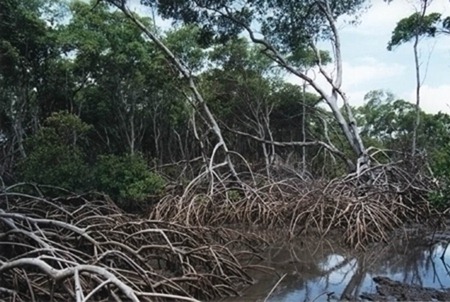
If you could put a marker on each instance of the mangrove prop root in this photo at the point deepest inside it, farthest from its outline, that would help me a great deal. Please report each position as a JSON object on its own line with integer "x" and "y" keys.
{"x": 364, "y": 207}
{"x": 78, "y": 249}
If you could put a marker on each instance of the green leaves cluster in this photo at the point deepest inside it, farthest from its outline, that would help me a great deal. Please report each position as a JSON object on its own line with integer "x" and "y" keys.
{"x": 387, "y": 124}
{"x": 127, "y": 179}
{"x": 57, "y": 154}
{"x": 416, "y": 25}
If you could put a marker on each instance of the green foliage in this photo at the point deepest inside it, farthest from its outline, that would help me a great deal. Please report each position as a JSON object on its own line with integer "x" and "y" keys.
{"x": 183, "y": 42}
{"x": 446, "y": 25}
{"x": 287, "y": 24}
{"x": 437, "y": 136}
{"x": 387, "y": 124}
{"x": 130, "y": 91}
{"x": 306, "y": 57}
{"x": 28, "y": 51}
{"x": 384, "y": 120}
{"x": 55, "y": 156}
{"x": 24, "y": 37}
{"x": 127, "y": 179}
{"x": 69, "y": 129}
{"x": 413, "y": 26}
{"x": 441, "y": 167}
{"x": 238, "y": 55}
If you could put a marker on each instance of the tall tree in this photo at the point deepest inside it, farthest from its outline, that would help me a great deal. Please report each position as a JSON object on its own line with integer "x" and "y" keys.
{"x": 387, "y": 121}
{"x": 287, "y": 27}
{"x": 118, "y": 69}
{"x": 30, "y": 73}
{"x": 195, "y": 98}
{"x": 413, "y": 28}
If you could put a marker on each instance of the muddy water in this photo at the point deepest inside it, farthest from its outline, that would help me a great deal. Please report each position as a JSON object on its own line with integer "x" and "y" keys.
{"x": 320, "y": 270}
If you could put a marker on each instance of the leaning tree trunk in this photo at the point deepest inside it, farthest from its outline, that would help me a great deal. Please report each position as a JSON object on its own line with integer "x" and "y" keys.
{"x": 346, "y": 123}
{"x": 212, "y": 123}
{"x": 348, "y": 126}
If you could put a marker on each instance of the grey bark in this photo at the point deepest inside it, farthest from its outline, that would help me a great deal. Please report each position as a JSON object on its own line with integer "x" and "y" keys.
{"x": 424, "y": 4}
{"x": 347, "y": 124}
{"x": 417, "y": 107}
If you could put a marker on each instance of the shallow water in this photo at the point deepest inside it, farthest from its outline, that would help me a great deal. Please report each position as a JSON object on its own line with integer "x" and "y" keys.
{"x": 314, "y": 270}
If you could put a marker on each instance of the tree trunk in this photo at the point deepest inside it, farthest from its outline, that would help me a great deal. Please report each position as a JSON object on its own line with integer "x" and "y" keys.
{"x": 418, "y": 84}
{"x": 187, "y": 75}
{"x": 304, "y": 129}
{"x": 347, "y": 124}
{"x": 425, "y": 4}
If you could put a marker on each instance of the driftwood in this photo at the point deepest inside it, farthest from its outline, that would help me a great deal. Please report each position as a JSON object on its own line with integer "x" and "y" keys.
{"x": 81, "y": 249}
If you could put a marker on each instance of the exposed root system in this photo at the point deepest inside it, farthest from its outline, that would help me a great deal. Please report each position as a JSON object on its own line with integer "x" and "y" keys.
{"x": 364, "y": 207}
{"x": 79, "y": 249}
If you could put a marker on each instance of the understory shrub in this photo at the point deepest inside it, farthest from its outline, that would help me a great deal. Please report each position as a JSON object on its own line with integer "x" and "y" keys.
{"x": 55, "y": 154}
{"x": 127, "y": 180}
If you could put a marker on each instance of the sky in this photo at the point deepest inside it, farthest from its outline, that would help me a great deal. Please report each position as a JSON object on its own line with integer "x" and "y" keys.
{"x": 368, "y": 65}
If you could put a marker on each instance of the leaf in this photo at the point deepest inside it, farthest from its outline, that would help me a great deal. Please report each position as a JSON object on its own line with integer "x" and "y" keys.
{"x": 414, "y": 26}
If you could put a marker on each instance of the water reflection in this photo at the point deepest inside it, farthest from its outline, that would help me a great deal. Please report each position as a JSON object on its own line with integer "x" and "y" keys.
{"x": 323, "y": 271}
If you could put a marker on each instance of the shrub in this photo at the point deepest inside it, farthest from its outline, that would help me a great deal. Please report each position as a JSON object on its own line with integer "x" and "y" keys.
{"x": 55, "y": 156}
{"x": 127, "y": 180}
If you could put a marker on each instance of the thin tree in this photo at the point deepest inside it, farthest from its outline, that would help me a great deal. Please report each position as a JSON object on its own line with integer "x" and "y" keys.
{"x": 413, "y": 28}
{"x": 196, "y": 98}
{"x": 285, "y": 27}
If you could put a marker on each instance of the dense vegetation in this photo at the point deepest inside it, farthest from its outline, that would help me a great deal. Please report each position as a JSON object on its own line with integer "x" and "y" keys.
{"x": 85, "y": 95}
{"x": 197, "y": 125}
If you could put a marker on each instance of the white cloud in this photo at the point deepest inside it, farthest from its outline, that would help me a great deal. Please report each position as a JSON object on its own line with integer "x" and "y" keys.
{"x": 360, "y": 76}
{"x": 433, "y": 99}
{"x": 443, "y": 45}
{"x": 378, "y": 19}
{"x": 356, "y": 97}
{"x": 366, "y": 70}
{"x": 381, "y": 18}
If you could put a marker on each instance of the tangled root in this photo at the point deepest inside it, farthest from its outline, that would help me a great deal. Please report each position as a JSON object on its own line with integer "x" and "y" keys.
{"x": 364, "y": 208}
{"x": 81, "y": 248}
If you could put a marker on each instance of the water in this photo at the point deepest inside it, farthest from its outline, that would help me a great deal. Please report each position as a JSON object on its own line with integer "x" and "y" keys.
{"x": 314, "y": 270}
